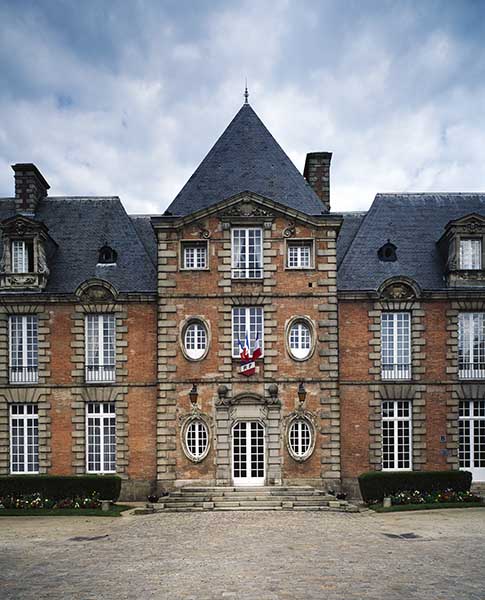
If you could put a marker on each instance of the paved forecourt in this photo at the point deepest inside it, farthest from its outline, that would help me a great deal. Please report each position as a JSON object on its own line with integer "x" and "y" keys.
{"x": 438, "y": 555}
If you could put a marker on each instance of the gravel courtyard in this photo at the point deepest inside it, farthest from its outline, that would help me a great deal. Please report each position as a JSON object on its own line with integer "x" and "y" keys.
{"x": 438, "y": 555}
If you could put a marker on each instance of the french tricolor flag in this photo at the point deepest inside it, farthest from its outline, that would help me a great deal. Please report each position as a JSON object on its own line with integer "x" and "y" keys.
{"x": 244, "y": 350}
{"x": 257, "y": 348}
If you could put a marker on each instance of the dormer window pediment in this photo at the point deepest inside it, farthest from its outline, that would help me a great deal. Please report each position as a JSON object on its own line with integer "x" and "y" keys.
{"x": 462, "y": 245}
{"x": 23, "y": 263}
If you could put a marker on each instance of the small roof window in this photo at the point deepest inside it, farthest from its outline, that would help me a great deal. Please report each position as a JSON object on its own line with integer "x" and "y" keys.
{"x": 387, "y": 253}
{"x": 107, "y": 256}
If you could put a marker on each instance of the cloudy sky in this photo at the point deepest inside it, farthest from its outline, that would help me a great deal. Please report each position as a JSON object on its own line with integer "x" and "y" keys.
{"x": 126, "y": 98}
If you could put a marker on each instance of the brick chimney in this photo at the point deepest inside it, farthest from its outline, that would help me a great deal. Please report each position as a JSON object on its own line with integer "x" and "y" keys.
{"x": 30, "y": 187}
{"x": 317, "y": 173}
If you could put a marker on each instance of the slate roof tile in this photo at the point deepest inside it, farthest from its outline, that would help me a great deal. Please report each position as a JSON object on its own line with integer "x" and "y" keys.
{"x": 246, "y": 158}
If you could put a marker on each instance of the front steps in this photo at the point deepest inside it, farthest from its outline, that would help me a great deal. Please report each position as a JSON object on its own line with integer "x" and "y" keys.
{"x": 193, "y": 499}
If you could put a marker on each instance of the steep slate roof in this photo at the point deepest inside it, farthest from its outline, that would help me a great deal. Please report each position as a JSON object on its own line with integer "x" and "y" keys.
{"x": 143, "y": 225}
{"x": 80, "y": 227}
{"x": 414, "y": 223}
{"x": 351, "y": 223}
{"x": 246, "y": 158}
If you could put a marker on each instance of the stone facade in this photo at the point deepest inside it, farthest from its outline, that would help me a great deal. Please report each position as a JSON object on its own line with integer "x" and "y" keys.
{"x": 224, "y": 394}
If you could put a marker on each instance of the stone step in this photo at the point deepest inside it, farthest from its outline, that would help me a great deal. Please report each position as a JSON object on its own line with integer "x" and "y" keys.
{"x": 242, "y": 508}
{"x": 249, "y": 503}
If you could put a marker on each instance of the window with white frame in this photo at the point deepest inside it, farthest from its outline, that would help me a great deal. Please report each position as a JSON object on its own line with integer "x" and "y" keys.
{"x": 471, "y": 254}
{"x": 247, "y": 253}
{"x": 472, "y": 437}
{"x": 299, "y": 254}
{"x": 300, "y": 340}
{"x": 194, "y": 255}
{"x": 396, "y": 435}
{"x": 100, "y": 347}
{"x": 23, "y": 336}
{"x": 195, "y": 340}
{"x": 247, "y": 321}
{"x": 395, "y": 345}
{"x": 300, "y": 439}
{"x": 22, "y": 256}
{"x": 100, "y": 437}
{"x": 471, "y": 345}
{"x": 196, "y": 439}
{"x": 24, "y": 438}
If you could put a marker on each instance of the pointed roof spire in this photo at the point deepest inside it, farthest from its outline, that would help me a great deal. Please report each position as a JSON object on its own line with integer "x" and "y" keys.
{"x": 246, "y": 158}
{"x": 246, "y": 93}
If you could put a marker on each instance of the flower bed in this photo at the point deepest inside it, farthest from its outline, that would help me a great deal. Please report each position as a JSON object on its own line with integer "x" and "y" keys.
{"x": 445, "y": 496}
{"x": 38, "y": 501}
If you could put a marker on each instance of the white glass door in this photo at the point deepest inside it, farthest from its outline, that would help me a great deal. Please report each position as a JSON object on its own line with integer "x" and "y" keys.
{"x": 472, "y": 438}
{"x": 248, "y": 453}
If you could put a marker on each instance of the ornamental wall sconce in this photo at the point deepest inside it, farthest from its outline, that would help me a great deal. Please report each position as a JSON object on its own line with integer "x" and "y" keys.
{"x": 301, "y": 393}
{"x": 193, "y": 394}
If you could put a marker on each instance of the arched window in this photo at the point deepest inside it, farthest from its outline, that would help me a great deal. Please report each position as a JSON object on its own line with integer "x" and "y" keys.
{"x": 107, "y": 256}
{"x": 300, "y": 340}
{"x": 300, "y": 438}
{"x": 196, "y": 439}
{"x": 195, "y": 340}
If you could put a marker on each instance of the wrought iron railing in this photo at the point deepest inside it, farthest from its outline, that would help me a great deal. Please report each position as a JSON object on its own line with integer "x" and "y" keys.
{"x": 471, "y": 370}
{"x": 100, "y": 373}
{"x": 24, "y": 374}
{"x": 396, "y": 371}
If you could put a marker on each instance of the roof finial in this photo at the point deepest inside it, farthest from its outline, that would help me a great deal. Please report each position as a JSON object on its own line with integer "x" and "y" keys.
{"x": 246, "y": 93}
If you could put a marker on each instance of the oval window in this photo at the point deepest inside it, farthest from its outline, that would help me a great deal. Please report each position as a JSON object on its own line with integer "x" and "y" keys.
{"x": 300, "y": 340}
{"x": 197, "y": 439}
{"x": 300, "y": 439}
{"x": 195, "y": 340}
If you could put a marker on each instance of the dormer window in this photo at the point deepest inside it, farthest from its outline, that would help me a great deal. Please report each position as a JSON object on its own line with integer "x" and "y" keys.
{"x": 471, "y": 254}
{"x": 22, "y": 252}
{"x": 107, "y": 256}
{"x": 26, "y": 246}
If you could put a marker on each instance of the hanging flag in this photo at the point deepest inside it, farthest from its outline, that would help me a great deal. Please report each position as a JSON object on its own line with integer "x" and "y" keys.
{"x": 257, "y": 348}
{"x": 248, "y": 364}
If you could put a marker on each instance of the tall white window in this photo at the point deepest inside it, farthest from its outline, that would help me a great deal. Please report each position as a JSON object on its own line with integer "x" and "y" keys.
{"x": 395, "y": 345}
{"x": 299, "y": 255}
{"x": 247, "y": 253}
{"x": 194, "y": 255}
{"x": 20, "y": 256}
{"x": 195, "y": 340}
{"x": 472, "y": 437}
{"x": 471, "y": 345}
{"x": 300, "y": 340}
{"x": 100, "y": 437}
{"x": 100, "y": 347}
{"x": 396, "y": 435}
{"x": 248, "y": 321}
{"x": 24, "y": 438}
{"x": 470, "y": 254}
{"x": 23, "y": 349}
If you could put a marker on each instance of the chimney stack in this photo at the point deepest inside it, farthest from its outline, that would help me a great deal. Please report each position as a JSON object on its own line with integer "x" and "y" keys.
{"x": 317, "y": 173}
{"x": 30, "y": 187}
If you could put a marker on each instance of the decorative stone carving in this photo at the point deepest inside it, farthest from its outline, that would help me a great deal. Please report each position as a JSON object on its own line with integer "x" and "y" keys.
{"x": 290, "y": 230}
{"x": 247, "y": 209}
{"x": 96, "y": 290}
{"x": 398, "y": 291}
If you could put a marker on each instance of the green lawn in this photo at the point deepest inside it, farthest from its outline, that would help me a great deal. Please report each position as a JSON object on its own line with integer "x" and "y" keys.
{"x": 404, "y": 507}
{"x": 114, "y": 511}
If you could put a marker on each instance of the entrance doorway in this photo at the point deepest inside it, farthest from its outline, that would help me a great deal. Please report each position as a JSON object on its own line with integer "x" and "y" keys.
{"x": 248, "y": 453}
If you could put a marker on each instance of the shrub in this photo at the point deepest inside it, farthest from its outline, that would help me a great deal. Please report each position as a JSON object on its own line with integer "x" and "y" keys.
{"x": 58, "y": 487}
{"x": 374, "y": 486}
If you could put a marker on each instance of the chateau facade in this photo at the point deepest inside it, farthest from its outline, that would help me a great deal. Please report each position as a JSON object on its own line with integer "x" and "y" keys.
{"x": 246, "y": 336}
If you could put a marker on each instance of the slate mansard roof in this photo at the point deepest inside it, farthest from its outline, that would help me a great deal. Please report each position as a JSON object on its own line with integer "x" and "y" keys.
{"x": 246, "y": 158}
{"x": 80, "y": 227}
{"x": 412, "y": 222}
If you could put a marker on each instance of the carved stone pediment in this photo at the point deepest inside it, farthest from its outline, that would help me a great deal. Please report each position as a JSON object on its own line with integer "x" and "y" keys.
{"x": 96, "y": 290}
{"x": 398, "y": 289}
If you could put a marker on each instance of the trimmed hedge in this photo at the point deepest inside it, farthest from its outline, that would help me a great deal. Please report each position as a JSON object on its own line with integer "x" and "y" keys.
{"x": 59, "y": 487}
{"x": 375, "y": 485}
